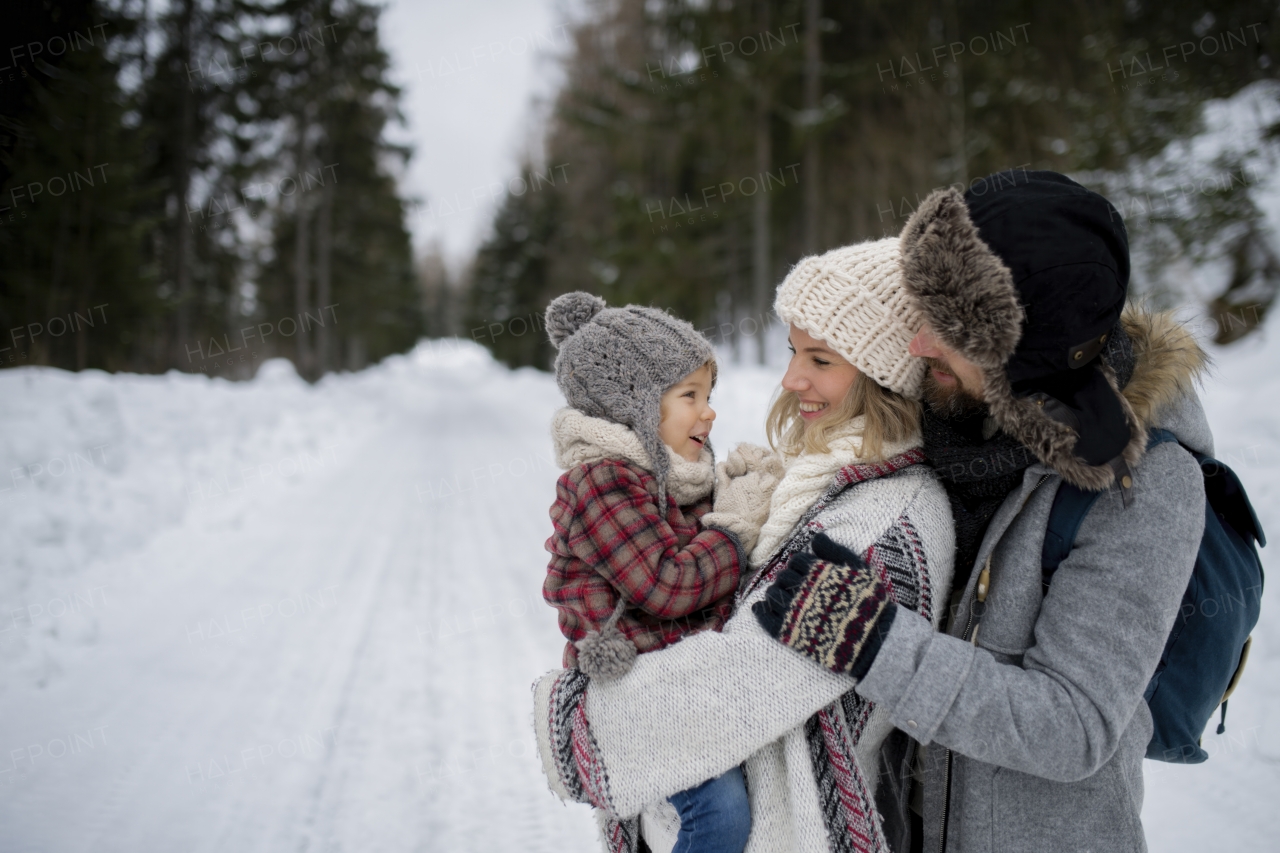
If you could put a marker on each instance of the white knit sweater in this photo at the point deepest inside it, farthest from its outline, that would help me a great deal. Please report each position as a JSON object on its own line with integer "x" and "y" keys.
{"x": 715, "y": 700}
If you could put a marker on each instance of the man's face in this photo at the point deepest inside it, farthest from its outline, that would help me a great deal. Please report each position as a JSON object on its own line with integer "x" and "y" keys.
{"x": 953, "y": 384}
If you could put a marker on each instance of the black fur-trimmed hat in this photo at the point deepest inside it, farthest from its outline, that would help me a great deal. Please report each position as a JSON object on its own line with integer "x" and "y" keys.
{"x": 1026, "y": 275}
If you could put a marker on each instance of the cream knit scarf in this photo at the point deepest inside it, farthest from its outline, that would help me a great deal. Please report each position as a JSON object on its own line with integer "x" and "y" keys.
{"x": 580, "y": 439}
{"x": 807, "y": 478}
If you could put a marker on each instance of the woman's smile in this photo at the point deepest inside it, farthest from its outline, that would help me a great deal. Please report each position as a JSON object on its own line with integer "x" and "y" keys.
{"x": 812, "y": 410}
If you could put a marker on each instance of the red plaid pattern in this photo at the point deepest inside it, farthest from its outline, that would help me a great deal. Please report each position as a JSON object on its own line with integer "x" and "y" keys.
{"x": 610, "y": 541}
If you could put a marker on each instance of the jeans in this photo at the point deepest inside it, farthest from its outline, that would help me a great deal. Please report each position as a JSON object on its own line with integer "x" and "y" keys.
{"x": 714, "y": 816}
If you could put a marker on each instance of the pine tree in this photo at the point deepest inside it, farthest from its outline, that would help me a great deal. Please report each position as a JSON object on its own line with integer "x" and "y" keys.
{"x": 340, "y": 258}
{"x": 73, "y": 287}
{"x": 190, "y": 86}
{"x": 674, "y": 114}
{"x": 510, "y": 282}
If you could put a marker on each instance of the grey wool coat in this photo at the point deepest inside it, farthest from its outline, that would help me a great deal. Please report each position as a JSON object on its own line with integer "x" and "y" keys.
{"x": 1034, "y": 731}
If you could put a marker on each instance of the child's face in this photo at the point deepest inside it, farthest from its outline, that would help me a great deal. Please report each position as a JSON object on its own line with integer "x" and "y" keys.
{"x": 817, "y": 374}
{"x": 687, "y": 414}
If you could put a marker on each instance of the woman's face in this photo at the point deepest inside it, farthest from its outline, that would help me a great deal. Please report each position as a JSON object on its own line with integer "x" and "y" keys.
{"x": 818, "y": 375}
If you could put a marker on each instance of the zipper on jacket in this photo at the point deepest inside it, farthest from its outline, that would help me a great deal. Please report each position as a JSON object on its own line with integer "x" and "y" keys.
{"x": 946, "y": 800}
{"x": 984, "y": 587}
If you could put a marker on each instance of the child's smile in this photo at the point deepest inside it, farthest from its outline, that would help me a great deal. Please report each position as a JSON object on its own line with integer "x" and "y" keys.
{"x": 687, "y": 414}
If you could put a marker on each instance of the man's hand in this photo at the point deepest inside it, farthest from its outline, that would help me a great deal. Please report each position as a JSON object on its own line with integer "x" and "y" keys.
{"x": 829, "y": 606}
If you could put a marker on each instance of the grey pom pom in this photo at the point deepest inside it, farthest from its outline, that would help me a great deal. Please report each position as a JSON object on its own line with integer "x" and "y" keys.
{"x": 605, "y": 655}
{"x": 568, "y": 313}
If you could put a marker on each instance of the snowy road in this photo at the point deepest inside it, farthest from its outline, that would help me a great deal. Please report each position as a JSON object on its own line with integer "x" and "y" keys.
{"x": 273, "y": 617}
{"x": 340, "y": 665}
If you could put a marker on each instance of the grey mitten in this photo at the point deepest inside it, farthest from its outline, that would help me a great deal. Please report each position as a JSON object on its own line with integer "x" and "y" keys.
{"x": 744, "y": 485}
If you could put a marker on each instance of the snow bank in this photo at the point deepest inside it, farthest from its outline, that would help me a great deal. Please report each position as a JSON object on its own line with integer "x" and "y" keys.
{"x": 93, "y": 465}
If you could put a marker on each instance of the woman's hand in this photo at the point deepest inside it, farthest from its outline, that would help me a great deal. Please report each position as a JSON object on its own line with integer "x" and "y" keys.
{"x": 744, "y": 484}
{"x": 829, "y": 606}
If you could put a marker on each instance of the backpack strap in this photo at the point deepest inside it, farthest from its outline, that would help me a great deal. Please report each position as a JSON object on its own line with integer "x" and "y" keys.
{"x": 1070, "y": 505}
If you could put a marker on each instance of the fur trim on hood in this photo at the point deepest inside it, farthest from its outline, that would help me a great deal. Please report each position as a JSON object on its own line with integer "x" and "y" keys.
{"x": 580, "y": 439}
{"x": 1169, "y": 362}
{"x": 967, "y": 296}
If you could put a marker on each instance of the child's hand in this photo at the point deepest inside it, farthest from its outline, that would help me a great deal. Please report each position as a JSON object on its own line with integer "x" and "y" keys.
{"x": 744, "y": 486}
{"x": 751, "y": 457}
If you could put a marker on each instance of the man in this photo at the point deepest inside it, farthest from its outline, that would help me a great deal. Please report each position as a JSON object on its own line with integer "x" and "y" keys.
{"x": 1028, "y": 710}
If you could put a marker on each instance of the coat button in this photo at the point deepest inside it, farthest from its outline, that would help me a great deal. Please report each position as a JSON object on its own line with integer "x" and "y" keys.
{"x": 1126, "y": 481}
{"x": 911, "y": 723}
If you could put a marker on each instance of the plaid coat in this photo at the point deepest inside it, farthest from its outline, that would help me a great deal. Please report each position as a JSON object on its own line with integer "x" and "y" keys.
{"x": 612, "y": 541}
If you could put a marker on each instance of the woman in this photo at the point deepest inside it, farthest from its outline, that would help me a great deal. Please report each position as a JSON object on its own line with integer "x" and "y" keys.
{"x": 847, "y": 427}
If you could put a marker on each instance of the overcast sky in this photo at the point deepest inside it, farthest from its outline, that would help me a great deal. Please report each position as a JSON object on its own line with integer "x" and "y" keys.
{"x": 470, "y": 71}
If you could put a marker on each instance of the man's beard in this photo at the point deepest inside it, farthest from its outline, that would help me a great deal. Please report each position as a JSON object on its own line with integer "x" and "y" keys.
{"x": 948, "y": 401}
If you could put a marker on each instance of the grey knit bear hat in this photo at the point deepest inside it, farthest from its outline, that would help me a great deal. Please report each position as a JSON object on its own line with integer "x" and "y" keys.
{"x": 616, "y": 363}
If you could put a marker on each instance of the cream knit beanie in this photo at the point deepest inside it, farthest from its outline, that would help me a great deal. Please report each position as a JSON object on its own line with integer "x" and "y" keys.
{"x": 853, "y": 299}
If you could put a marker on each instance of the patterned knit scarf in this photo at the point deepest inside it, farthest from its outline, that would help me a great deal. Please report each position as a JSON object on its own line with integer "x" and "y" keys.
{"x": 833, "y": 734}
{"x": 976, "y": 473}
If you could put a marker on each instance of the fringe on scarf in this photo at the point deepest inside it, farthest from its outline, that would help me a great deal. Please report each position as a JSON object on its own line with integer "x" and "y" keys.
{"x": 833, "y": 734}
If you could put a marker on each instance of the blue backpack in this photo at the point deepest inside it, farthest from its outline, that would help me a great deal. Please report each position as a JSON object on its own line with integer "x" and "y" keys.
{"x": 1209, "y": 644}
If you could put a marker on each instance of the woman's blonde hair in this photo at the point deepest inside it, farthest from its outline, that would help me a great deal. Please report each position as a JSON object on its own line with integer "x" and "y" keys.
{"x": 890, "y": 417}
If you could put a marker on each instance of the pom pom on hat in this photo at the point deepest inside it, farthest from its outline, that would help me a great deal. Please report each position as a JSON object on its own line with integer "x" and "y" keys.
{"x": 568, "y": 313}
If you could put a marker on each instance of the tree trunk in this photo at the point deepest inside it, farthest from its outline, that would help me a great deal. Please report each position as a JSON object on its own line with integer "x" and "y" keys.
{"x": 761, "y": 234}
{"x": 955, "y": 103}
{"x": 181, "y": 186}
{"x": 812, "y": 109}
{"x": 302, "y": 257}
{"x": 760, "y": 237}
{"x": 324, "y": 284}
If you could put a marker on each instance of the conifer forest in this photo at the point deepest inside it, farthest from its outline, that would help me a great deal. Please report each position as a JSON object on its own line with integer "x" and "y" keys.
{"x": 206, "y": 178}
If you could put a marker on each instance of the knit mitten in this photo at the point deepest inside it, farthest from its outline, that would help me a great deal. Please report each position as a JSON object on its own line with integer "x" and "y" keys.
{"x": 606, "y": 654}
{"x": 741, "y": 502}
{"x": 744, "y": 484}
{"x": 829, "y": 606}
{"x": 752, "y": 457}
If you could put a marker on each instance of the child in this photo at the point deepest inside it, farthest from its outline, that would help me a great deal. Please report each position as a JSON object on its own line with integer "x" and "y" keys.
{"x": 638, "y": 559}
